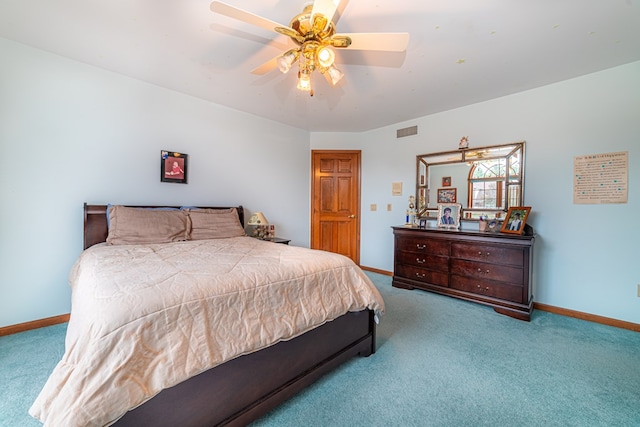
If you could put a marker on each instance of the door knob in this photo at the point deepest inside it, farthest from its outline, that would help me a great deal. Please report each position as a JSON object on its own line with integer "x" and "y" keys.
{"x": 352, "y": 216}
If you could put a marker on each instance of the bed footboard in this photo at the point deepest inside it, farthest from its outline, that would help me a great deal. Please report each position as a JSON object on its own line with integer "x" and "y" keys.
{"x": 243, "y": 389}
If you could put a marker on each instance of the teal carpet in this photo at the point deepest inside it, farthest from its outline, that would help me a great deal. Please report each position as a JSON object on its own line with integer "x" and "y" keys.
{"x": 440, "y": 362}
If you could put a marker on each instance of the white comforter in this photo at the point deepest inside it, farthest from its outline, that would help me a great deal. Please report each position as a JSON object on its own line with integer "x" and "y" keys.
{"x": 145, "y": 318}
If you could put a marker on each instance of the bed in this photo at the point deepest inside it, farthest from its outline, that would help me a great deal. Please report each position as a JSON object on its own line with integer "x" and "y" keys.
{"x": 145, "y": 345}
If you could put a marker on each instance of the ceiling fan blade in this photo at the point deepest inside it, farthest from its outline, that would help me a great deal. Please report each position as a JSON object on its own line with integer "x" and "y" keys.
{"x": 268, "y": 66}
{"x": 244, "y": 16}
{"x": 326, "y": 8}
{"x": 391, "y": 42}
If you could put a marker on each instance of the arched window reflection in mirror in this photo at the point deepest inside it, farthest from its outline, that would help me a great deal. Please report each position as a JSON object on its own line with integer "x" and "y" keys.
{"x": 487, "y": 183}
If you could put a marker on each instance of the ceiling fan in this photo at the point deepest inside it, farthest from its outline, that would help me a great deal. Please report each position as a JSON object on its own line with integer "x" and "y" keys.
{"x": 314, "y": 34}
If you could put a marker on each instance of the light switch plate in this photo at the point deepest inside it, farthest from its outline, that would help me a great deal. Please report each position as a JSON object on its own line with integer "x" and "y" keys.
{"x": 374, "y": 207}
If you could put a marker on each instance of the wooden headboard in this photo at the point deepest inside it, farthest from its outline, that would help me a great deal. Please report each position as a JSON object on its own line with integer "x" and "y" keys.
{"x": 95, "y": 221}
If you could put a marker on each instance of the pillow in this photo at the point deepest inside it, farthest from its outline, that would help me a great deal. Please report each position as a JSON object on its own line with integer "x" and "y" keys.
{"x": 215, "y": 223}
{"x": 130, "y": 226}
{"x": 110, "y": 206}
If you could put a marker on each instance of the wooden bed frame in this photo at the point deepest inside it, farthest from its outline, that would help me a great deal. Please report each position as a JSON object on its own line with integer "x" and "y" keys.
{"x": 243, "y": 389}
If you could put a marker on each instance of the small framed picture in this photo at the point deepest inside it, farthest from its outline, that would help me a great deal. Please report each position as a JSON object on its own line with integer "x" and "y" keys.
{"x": 447, "y": 195}
{"x": 446, "y": 181}
{"x": 173, "y": 167}
{"x": 515, "y": 220}
{"x": 449, "y": 215}
{"x": 422, "y": 223}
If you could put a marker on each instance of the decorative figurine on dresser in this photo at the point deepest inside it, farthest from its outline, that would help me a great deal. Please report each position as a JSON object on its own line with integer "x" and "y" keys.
{"x": 493, "y": 267}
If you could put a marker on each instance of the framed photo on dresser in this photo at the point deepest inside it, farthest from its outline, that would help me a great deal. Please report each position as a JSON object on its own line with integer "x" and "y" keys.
{"x": 449, "y": 215}
{"x": 515, "y": 220}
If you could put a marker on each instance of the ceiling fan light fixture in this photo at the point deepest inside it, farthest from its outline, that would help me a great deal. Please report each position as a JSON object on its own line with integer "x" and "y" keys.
{"x": 304, "y": 81}
{"x": 325, "y": 56}
{"x": 335, "y": 75}
{"x": 286, "y": 60}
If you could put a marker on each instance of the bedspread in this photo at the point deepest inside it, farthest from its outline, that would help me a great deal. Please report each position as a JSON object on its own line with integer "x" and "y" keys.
{"x": 146, "y": 317}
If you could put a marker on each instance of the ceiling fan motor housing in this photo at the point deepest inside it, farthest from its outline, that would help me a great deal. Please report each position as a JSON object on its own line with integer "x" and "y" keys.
{"x": 319, "y": 29}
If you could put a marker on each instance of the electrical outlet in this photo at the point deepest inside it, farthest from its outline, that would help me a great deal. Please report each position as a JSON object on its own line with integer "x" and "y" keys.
{"x": 389, "y": 207}
{"x": 374, "y": 207}
{"x": 639, "y": 291}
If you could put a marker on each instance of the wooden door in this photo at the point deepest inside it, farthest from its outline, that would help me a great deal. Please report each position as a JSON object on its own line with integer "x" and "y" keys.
{"x": 335, "y": 202}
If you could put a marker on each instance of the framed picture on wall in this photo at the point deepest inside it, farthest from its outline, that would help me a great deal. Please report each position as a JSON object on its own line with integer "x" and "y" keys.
{"x": 449, "y": 215}
{"x": 446, "y": 181}
{"x": 515, "y": 220}
{"x": 447, "y": 195}
{"x": 173, "y": 167}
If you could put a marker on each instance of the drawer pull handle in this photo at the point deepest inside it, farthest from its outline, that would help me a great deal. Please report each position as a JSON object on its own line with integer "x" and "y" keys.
{"x": 419, "y": 246}
{"x": 420, "y": 261}
{"x": 485, "y": 289}
{"x": 486, "y": 254}
{"x": 420, "y": 275}
{"x": 483, "y": 272}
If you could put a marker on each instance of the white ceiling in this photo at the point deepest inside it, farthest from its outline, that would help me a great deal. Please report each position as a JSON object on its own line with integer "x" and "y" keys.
{"x": 460, "y": 51}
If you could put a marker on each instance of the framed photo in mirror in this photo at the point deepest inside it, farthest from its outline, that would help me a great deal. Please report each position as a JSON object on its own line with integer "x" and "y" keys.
{"x": 447, "y": 195}
{"x": 515, "y": 220}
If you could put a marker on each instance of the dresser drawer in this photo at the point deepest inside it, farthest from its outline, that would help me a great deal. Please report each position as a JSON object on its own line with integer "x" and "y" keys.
{"x": 422, "y": 245}
{"x": 431, "y": 262}
{"x": 485, "y": 271}
{"x": 488, "y": 288}
{"x": 488, "y": 253}
{"x": 422, "y": 275}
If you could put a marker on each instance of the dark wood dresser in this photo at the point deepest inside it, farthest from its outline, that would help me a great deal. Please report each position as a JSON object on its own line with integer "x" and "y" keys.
{"x": 489, "y": 268}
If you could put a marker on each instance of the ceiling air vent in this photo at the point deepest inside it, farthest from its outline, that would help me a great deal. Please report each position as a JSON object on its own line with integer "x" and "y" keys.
{"x": 401, "y": 133}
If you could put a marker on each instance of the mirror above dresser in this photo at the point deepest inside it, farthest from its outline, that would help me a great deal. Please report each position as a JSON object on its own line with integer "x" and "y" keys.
{"x": 486, "y": 181}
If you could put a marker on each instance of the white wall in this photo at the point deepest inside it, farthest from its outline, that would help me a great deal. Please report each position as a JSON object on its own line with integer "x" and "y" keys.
{"x": 586, "y": 254}
{"x": 71, "y": 133}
